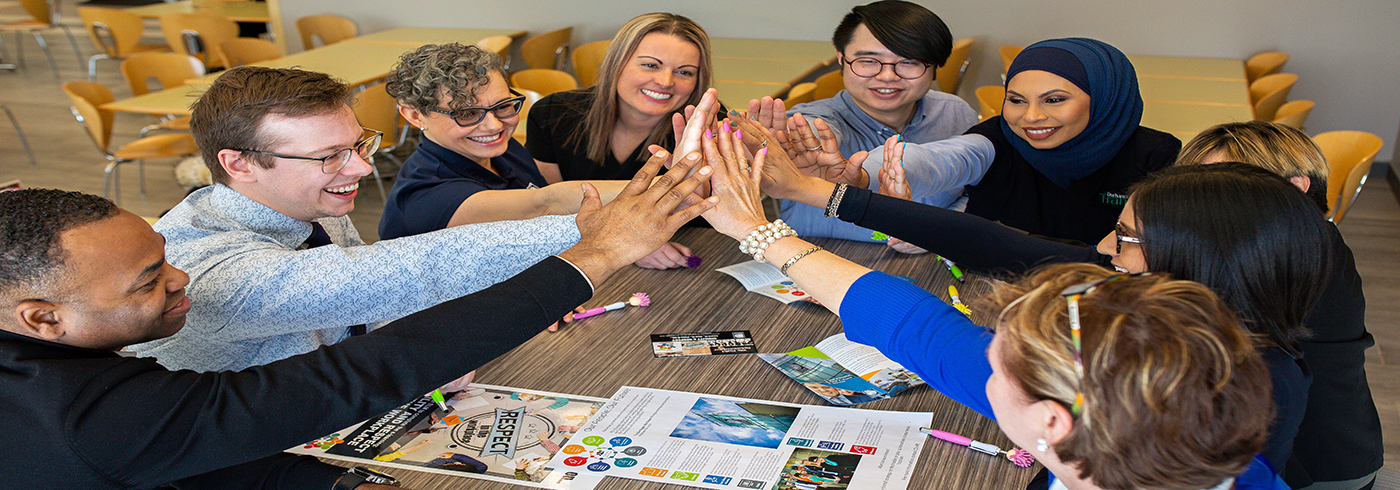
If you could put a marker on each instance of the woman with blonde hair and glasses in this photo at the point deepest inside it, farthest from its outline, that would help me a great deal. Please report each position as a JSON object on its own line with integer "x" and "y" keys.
{"x": 657, "y": 64}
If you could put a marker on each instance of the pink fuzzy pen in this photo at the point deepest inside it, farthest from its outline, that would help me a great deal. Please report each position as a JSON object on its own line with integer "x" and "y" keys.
{"x": 1020, "y": 457}
{"x": 639, "y": 299}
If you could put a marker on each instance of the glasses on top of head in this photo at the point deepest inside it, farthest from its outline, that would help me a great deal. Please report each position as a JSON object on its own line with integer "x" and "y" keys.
{"x": 869, "y": 67}
{"x": 472, "y": 116}
{"x": 332, "y": 163}
{"x": 1072, "y": 295}
{"x": 1121, "y": 234}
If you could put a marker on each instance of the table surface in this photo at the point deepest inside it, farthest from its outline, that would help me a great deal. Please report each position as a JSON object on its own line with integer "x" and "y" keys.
{"x": 235, "y": 11}
{"x": 1185, "y": 95}
{"x": 748, "y": 69}
{"x": 773, "y": 49}
{"x": 596, "y": 356}
{"x": 418, "y": 36}
{"x": 174, "y": 100}
{"x": 1188, "y": 67}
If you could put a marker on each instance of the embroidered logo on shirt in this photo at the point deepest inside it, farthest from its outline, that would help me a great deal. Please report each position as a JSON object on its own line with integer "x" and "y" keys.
{"x": 1113, "y": 199}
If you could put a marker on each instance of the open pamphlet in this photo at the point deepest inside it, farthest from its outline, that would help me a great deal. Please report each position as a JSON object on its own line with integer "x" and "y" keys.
{"x": 768, "y": 280}
{"x": 844, "y": 372}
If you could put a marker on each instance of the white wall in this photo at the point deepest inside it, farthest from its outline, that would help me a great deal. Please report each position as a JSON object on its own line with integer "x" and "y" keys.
{"x": 1345, "y": 52}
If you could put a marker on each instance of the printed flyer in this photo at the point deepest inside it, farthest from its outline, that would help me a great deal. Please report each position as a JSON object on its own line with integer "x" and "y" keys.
{"x": 844, "y": 372}
{"x": 490, "y": 432}
{"x": 719, "y": 442}
{"x": 768, "y": 280}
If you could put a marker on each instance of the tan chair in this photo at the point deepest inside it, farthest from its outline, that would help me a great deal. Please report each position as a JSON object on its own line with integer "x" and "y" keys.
{"x": 828, "y": 86}
{"x": 587, "y": 59}
{"x": 241, "y": 51}
{"x": 330, "y": 29}
{"x": 45, "y": 17}
{"x": 1269, "y": 92}
{"x": 548, "y": 50}
{"x": 531, "y": 97}
{"x": 1008, "y": 54}
{"x": 543, "y": 80}
{"x": 499, "y": 45}
{"x": 1349, "y": 157}
{"x": 989, "y": 100}
{"x": 198, "y": 34}
{"x": 23, "y": 141}
{"x": 115, "y": 33}
{"x": 1294, "y": 112}
{"x": 375, "y": 109}
{"x": 87, "y": 97}
{"x": 1266, "y": 63}
{"x": 801, "y": 93}
{"x": 168, "y": 70}
{"x": 949, "y": 76}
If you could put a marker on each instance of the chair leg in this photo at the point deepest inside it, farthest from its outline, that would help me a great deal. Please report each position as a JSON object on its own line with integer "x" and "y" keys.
{"x": 77, "y": 52}
{"x": 141, "y": 175}
{"x": 108, "y": 184}
{"x": 52, "y": 65}
{"x": 22, "y": 140}
{"x": 92, "y": 64}
{"x": 377, "y": 179}
{"x": 3, "y": 65}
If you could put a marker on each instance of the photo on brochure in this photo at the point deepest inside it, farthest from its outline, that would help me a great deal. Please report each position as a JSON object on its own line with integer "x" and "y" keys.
{"x": 736, "y": 422}
{"x": 812, "y": 468}
{"x": 844, "y": 372}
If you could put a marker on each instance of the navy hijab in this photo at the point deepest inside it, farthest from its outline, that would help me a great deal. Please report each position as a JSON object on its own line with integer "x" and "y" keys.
{"x": 1115, "y": 106}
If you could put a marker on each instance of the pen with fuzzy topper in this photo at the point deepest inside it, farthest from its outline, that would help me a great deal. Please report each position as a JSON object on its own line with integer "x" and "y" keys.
{"x": 1017, "y": 456}
{"x": 639, "y": 299}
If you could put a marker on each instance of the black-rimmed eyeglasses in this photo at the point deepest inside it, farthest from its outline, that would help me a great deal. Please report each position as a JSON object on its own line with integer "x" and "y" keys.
{"x": 332, "y": 163}
{"x": 869, "y": 67}
{"x": 472, "y": 116}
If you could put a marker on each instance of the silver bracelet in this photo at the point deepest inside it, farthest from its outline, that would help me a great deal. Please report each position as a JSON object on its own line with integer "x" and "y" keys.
{"x": 799, "y": 256}
{"x": 758, "y": 240}
{"x": 834, "y": 203}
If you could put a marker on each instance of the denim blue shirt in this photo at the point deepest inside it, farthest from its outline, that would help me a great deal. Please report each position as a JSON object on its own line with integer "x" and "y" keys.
{"x": 936, "y": 181}
{"x": 256, "y": 297}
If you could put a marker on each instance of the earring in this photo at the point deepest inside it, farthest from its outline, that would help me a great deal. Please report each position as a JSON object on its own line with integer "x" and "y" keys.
{"x": 1041, "y": 445}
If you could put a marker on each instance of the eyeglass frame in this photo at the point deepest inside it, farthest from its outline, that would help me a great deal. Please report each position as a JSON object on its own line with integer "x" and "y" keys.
{"x": 895, "y": 67}
{"x": 1120, "y": 235}
{"x": 1071, "y": 295}
{"x": 518, "y": 101}
{"x": 377, "y": 137}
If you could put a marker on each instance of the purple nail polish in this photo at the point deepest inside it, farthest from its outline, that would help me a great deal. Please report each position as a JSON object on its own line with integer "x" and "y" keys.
{"x": 738, "y": 134}
{"x": 726, "y": 127}
{"x": 709, "y": 135}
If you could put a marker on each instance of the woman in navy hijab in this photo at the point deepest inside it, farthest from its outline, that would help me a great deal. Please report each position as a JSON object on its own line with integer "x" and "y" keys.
{"x": 1068, "y": 144}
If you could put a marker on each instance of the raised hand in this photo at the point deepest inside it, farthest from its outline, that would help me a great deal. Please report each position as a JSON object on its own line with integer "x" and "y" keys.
{"x": 781, "y": 176}
{"x": 892, "y": 184}
{"x": 735, "y": 183}
{"x": 697, "y": 120}
{"x": 821, "y": 150}
{"x": 767, "y": 112}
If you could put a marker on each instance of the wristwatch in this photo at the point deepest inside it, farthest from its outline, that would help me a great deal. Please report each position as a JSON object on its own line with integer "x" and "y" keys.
{"x": 360, "y": 474}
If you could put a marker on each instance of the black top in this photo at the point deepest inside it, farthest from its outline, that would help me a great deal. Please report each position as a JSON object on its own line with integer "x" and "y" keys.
{"x": 83, "y": 418}
{"x": 984, "y": 246}
{"x": 435, "y": 181}
{"x": 1017, "y": 195}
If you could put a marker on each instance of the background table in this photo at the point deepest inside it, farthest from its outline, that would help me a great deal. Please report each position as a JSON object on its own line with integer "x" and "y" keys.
{"x": 596, "y": 356}
{"x": 746, "y": 69}
{"x": 1184, "y": 95}
{"x": 418, "y": 36}
{"x": 235, "y": 11}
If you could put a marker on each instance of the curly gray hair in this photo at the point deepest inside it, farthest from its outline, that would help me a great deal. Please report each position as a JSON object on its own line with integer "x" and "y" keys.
{"x": 423, "y": 76}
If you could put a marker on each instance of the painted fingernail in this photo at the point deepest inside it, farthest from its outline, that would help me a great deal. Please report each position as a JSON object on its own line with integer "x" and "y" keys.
{"x": 755, "y": 118}
{"x": 726, "y": 127}
{"x": 764, "y": 151}
{"x": 708, "y": 134}
{"x": 733, "y": 112}
{"x": 898, "y": 138}
{"x": 738, "y": 133}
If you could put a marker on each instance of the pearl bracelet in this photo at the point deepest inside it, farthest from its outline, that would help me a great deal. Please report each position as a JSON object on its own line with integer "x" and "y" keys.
{"x": 758, "y": 240}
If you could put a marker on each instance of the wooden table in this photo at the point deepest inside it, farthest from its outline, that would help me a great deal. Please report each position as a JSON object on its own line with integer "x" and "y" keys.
{"x": 235, "y": 11}
{"x": 596, "y": 356}
{"x": 748, "y": 69}
{"x": 1188, "y": 67}
{"x": 175, "y": 101}
{"x": 418, "y": 36}
{"x": 773, "y": 49}
{"x": 1184, "y": 95}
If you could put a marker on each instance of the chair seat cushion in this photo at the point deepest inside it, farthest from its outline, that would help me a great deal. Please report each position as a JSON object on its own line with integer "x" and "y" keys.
{"x": 24, "y": 25}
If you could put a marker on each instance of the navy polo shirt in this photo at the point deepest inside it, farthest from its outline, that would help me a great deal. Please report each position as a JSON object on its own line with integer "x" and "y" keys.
{"x": 434, "y": 181}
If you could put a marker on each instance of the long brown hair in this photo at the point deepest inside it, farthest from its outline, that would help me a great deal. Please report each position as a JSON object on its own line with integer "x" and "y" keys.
{"x": 597, "y": 128}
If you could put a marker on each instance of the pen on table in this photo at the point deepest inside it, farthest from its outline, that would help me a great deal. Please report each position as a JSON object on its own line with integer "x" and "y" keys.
{"x": 441, "y": 402}
{"x": 953, "y": 269}
{"x": 957, "y": 302}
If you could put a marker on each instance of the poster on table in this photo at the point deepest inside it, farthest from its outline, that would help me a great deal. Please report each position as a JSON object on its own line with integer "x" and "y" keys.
{"x": 490, "y": 432}
{"x": 719, "y": 442}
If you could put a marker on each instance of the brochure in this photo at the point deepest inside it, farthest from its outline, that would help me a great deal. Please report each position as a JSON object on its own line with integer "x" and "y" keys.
{"x": 768, "y": 280}
{"x": 844, "y": 372}
{"x": 718, "y": 442}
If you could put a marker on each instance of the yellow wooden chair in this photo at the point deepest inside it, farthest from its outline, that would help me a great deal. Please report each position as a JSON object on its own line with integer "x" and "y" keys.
{"x": 1349, "y": 157}
{"x": 989, "y": 99}
{"x": 375, "y": 109}
{"x": 499, "y": 45}
{"x": 828, "y": 86}
{"x": 1008, "y": 54}
{"x": 1294, "y": 112}
{"x": 168, "y": 70}
{"x": 801, "y": 93}
{"x": 1269, "y": 92}
{"x": 543, "y": 80}
{"x": 115, "y": 33}
{"x": 241, "y": 51}
{"x": 1266, "y": 63}
{"x": 198, "y": 34}
{"x": 949, "y": 76}
{"x": 531, "y": 97}
{"x": 330, "y": 29}
{"x": 45, "y": 17}
{"x": 548, "y": 50}
{"x": 587, "y": 59}
{"x": 87, "y": 98}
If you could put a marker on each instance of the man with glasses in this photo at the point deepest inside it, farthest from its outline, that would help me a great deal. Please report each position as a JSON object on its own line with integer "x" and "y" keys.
{"x": 278, "y": 268}
{"x": 889, "y": 52}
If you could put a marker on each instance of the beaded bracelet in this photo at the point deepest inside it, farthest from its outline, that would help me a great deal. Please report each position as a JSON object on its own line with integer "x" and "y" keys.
{"x": 799, "y": 256}
{"x": 759, "y": 240}
{"x": 834, "y": 202}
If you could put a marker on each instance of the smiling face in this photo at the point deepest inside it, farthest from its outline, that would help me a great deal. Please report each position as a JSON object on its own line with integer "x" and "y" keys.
{"x": 122, "y": 290}
{"x": 885, "y": 96}
{"x": 479, "y": 142}
{"x": 658, "y": 78}
{"x": 1045, "y": 109}
{"x": 298, "y": 188}
{"x": 1131, "y": 259}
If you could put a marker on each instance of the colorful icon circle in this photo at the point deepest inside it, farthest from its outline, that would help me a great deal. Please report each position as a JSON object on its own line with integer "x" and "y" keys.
{"x": 575, "y": 461}
{"x": 592, "y": 440}
{"x": 620, "y": 441}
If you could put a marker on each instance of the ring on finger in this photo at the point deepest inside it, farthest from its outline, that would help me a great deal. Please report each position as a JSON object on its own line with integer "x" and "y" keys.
{"x": 763, "y": 143}
{"x": 815, "y": 148}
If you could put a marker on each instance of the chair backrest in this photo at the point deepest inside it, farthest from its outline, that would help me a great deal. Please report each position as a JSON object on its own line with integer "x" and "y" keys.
{"x": 240, "y": 51}
{"x": 86, "y": 98}
{"x": 330, "y": 29}
{"x": 531, "y": 97}
{"x": 1265, "y": 63}
{"x": 828, "y": 85}
{"x": 989, "y": 99}
{"x": 1349, "y": 156}
{"x": 587, "y": 59}
{"x": 497, "y": 44}
{"x": 545, "y": 81}
{"x": 42, "y": 10}
{"x": 1294, "y": 113}
{"x": 1008, "y": 54}
{"x": 1269, "y": 92}
{"x": 949, "y": 76}
{"x": 548, "y": 50}
{"x": 113, "y": 31}
{"x": 198, "y": 34}
{"x": 377, "y": 110}
{"x": 168, "y": 69}
{"x": 801, "y": 93}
